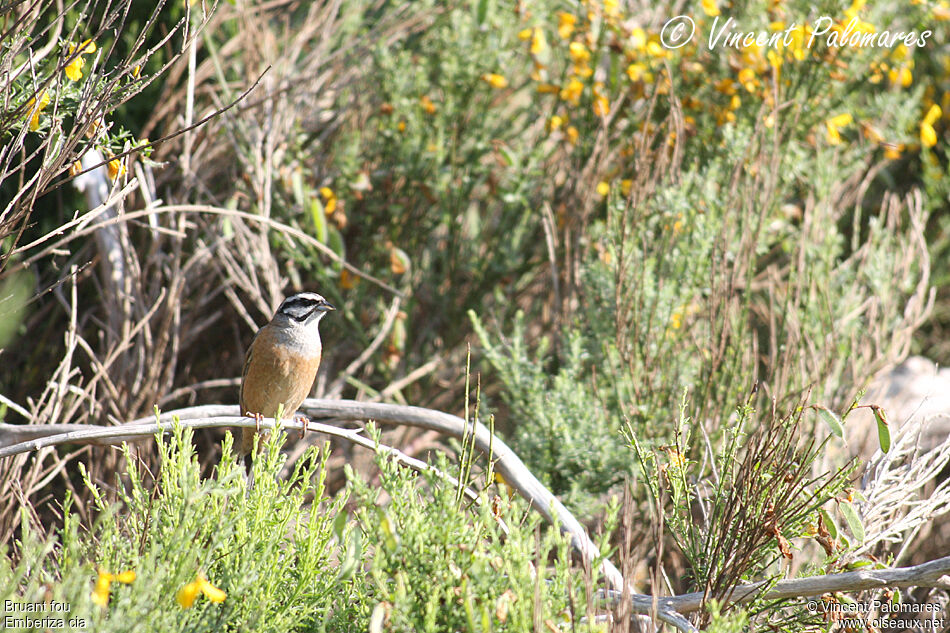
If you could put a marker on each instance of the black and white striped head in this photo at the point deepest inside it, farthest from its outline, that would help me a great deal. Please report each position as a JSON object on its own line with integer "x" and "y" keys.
{"x": 304, "y": 307}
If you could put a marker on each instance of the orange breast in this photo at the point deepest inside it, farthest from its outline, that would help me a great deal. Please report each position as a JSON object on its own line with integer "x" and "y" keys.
{"x": 276, "y": 376}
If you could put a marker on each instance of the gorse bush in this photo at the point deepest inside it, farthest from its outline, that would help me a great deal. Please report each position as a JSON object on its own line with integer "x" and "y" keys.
{"x": 189, "y": 553}
{"x": 267, "y": 556}
{"x": 740, "y": 230}
{"x": 438, "y": 565}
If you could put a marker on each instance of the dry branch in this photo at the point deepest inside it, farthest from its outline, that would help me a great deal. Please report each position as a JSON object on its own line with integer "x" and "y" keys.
{"x": 935, "y": 573}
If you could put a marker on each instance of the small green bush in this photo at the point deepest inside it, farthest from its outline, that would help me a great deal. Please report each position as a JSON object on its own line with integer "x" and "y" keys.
{"x": 283, "y": 556}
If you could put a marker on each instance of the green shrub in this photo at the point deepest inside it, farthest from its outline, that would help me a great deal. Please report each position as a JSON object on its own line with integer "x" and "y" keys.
{"x": 722, "y": 241}
{"x": 283, "y": 556}
{"x": 269, "y": 551}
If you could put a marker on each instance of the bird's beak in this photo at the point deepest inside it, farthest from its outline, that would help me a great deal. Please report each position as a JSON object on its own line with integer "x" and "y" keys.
{"x": 326, "y": 307}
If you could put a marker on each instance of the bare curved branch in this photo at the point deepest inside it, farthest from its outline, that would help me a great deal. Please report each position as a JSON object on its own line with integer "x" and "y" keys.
{"x": 935, "y": 573}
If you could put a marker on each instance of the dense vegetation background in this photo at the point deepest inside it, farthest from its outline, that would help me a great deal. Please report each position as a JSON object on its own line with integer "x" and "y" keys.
{"x": 674, "y": 271}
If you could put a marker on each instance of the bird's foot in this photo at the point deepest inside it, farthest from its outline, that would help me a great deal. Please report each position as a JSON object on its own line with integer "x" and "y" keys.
{"x": 305, "y": 422}
{"x": 258, "y": 418}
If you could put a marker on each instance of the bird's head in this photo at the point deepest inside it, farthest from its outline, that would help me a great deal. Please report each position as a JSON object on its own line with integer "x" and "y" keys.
{"x": 304, "y": 308}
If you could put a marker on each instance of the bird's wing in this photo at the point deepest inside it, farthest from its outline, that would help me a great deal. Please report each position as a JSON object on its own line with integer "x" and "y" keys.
{"x": 247, "y": 365}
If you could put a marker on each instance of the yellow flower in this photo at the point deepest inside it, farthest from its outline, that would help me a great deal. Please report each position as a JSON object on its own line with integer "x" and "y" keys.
{"x": 638, "y": 39}
{"x": 74, "y": 67}
{"x": 933, "y": 114}
{"x": 548, "y": 89}
{"x": 401, "y": 126}
{"x": 565, "y": 24}
{"x": 538, "y": 43}
{"x": 427, "y": 104}
{"x": 583, "y": 70}
{"x": 555, "y": 122}
{"x": 625, "y": 186}
{"x": 100, "y": 595}
{"x": 710, "y": 8}
{"x": 654, "y": 49}
{"x": 726, "y": 86}
{"x": 601, "y": 106}
{"x": 35, "y": 116}
{"x": 639, "y": 72}
{"x": 579, "y": 52}
{"x": 775, "y": 59}
{"x": 495, "y": 80}
{"x": 525, "y": 34}
{"x": 834, "y": 124}
{"x": 572, "y": 134}
{"x": 747, "y": 79}
{"x": 126, "y": 577}
{"x": 187, "y": 594}
{"x": 329, "y": 200}
{"x": 798, "y": 37}
{"x": 116, "y": 168}
{"x": 603, "y": 188}
{"x": 573, "y": 91}
{"x": 941, "y": 12}
{"x": 928, "y": 135}
{"x": 901, "y": 75}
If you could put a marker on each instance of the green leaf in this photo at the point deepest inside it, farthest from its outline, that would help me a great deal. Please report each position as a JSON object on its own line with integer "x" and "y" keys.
{"x": 352, "y": 556}
{"x": 390, "y": 538}
{"x": 832, "y": 420}
{"x": 339, "y": 524}
{"x": 481, "y": 12}
{"x": 854, "y": 521}
{"x": 296, "y": 180}
{"x": 829, "y": 525}
{"x": 319, "y": 219}
{"x": 335, "y": 242}
{"x": 883, "y": 431}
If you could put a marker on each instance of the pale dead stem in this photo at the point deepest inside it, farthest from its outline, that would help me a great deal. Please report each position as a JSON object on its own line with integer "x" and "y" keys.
{"x": 82, "y": 227}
